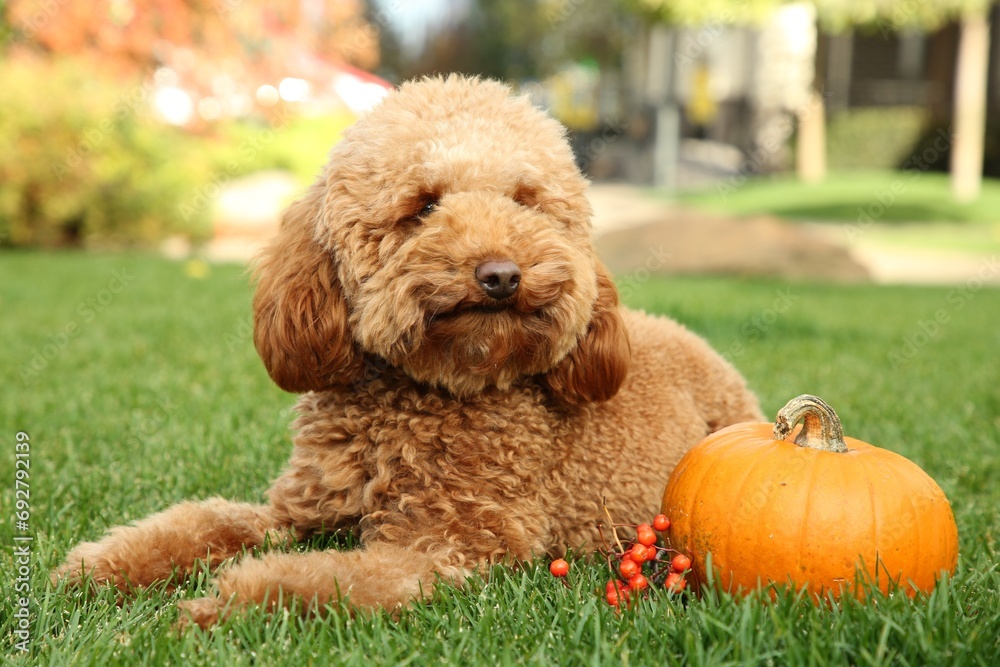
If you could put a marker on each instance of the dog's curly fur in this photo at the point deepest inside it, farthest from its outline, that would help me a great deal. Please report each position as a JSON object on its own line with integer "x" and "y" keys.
{"x": 449, "y": 428}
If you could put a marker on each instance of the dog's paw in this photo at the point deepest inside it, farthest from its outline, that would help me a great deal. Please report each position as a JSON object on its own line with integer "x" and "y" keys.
{"x": 90, "y": 562}
{"x": 120, "y": 560}
{"x": 203, "y": 612}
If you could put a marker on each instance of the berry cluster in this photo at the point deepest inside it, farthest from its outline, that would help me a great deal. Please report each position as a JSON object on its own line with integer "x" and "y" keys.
{"x": 639, "y": 565}
{"x": 636, "y": 566}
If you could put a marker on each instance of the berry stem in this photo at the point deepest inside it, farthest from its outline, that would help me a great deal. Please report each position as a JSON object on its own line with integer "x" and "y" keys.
{"x": 611, "y": 522}
{"x": 607, "y": 549}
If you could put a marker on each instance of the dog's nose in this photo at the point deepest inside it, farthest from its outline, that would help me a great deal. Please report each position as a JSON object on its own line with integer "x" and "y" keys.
{"x": 499, "y": 278}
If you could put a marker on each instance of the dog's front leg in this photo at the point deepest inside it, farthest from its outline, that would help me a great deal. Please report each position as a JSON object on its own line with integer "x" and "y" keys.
{"x": 379, "y": 575}
{"x": 168, "y": 546}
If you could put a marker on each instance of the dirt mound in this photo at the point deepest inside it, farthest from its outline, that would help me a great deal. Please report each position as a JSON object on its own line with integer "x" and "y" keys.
{"x": 688, "y": 242}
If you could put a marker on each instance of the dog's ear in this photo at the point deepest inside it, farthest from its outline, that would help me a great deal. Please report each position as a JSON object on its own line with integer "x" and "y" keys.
{"x": 596, "y": 368}
{"x": 300, "y": 316}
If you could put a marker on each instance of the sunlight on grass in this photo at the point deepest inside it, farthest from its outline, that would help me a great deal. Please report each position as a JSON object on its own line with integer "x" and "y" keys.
{"x": 971, "y": 237}
{"x": 884, "y": 196}
{"x": 909, "y": 209}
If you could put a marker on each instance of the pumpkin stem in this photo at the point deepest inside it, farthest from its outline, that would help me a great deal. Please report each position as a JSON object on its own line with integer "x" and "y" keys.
{"x": 821, "y": 427}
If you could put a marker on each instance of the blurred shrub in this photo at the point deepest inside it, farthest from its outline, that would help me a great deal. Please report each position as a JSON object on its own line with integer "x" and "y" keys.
{"x": 873, "y": 138}
{"x": 298, "y": 144}
{"x": 83, "y": 162}
{"x": 237, "y": 148}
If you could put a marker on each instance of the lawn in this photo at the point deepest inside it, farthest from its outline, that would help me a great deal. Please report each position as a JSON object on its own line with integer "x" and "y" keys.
{"x": 916, "y": 207}
{"x": 138, "y": 385}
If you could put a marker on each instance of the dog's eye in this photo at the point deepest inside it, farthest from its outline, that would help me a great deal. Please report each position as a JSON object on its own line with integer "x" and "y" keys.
{"x": 525, "y": 195}
{"x": 427, "y": 208}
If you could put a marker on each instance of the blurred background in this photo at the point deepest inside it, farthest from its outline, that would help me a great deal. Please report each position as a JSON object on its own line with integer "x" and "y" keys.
{"x": 843, "y": 140}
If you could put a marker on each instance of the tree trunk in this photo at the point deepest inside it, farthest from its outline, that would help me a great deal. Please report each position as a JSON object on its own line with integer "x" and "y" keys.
{"x": 970, "y": 107}
{"x": 810, "y": 147}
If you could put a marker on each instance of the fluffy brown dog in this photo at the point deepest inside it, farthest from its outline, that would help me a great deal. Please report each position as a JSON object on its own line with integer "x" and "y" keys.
{"x": 471, "y": 388}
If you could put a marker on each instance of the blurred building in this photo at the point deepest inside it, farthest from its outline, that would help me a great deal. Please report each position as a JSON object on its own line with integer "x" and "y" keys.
{"x": 716, "y": 100}
{"x": 882, "y": 68}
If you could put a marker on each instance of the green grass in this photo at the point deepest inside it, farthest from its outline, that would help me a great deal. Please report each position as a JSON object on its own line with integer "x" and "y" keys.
{"x": 157, "y": 396}
{"x": 909, "y": 208}
{"x": 887, "y": 196}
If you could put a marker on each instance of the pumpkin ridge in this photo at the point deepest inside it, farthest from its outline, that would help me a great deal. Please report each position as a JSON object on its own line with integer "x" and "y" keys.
{"x": 806, "y": 511}
{"x": 692, "y": 509}
{"x": 918, "y": 546}
{"x": 748, "y": 476}
{"x": 875, "y": 528}
{"x": 894, "y": 471}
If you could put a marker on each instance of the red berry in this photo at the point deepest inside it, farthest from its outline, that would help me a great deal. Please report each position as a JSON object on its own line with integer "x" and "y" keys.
{"x": 559, "y": 567}
{"x": 680, "y": 563}
{"x": 675, "y": 583}
{"x": 638, "y": 553}
{"x": 615, "y": 585}
{"x": 661, "y": 522}
{"x": 616, "y": 592}
{"x": 628, "y": 568}
{"x": 651, "y": 553}
{"x": 645, "y": 535}
{"x": 638, "y": 582}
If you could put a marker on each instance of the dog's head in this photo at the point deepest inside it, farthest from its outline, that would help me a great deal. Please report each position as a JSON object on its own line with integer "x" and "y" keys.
{"x": 449, "y": 236}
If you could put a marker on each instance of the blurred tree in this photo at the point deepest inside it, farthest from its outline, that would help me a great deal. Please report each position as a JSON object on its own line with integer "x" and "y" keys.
{"x": 969, "y": 112}
{"x": 698, "y": 12}
{"x": 522, "y": 39}
{"x": 136, "y": 34}
{"x": 593, "y": 30}
{"x": 495, "y": 38}
{"x": 971, "y": 68}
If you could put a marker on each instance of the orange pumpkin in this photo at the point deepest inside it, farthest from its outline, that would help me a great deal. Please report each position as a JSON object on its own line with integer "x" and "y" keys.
{"x": 816, "y": 512}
